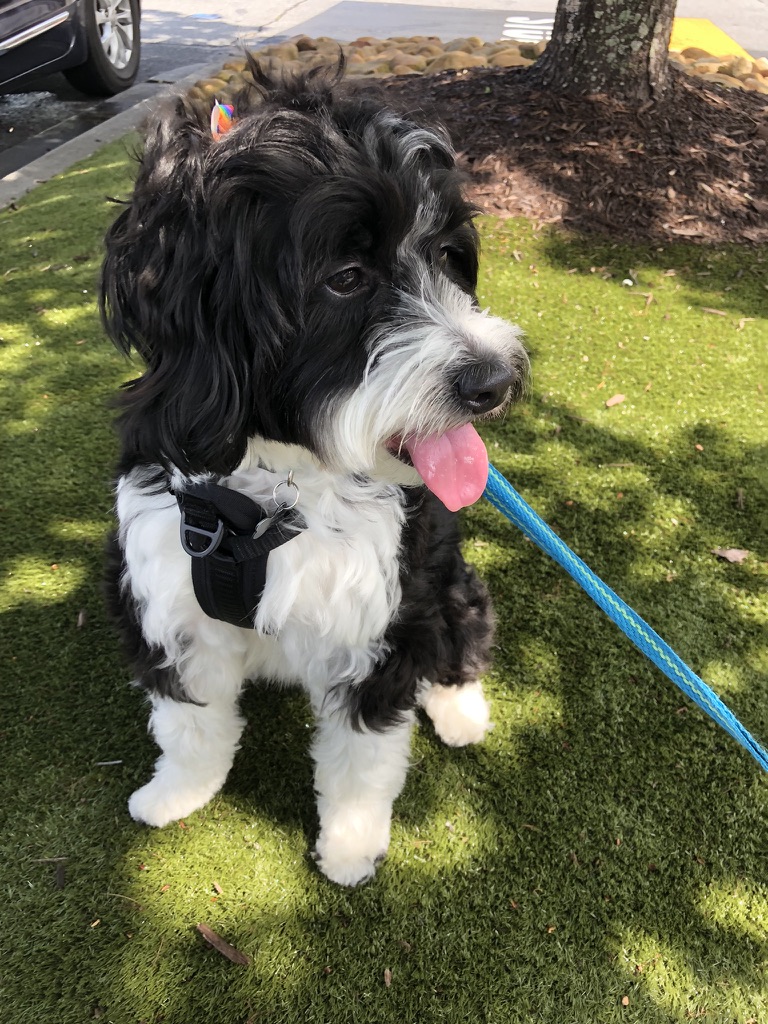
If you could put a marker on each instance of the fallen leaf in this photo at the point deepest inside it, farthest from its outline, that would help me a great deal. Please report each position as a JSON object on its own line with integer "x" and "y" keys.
{"x": 625, "y": 1001}
{"x": 717, "y": 312}
{"x": 387, "y": 977}
{"x": 614, "y": 400}
{"x": 735, "y": 555}
{"x": 699, "y": 447}
{"x": 223, "y": 947}
{"x": 218, "y": 888}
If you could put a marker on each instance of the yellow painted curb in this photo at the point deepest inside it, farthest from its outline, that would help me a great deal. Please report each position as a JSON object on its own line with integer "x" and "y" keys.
{"x": 703, "y": 33}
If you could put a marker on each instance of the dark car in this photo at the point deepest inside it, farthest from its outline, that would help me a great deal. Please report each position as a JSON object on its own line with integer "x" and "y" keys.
{"x": 96, "y": 43}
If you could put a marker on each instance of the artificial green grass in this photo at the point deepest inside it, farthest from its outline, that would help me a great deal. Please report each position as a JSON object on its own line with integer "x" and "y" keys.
{"x": 601, "y": 857}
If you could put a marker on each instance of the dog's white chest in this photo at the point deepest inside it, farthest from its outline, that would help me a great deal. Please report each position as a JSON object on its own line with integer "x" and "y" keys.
{"x": 331, "y": 591}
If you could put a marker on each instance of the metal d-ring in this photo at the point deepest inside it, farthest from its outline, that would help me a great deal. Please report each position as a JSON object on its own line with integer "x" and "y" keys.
{"x": 288, "y": 482}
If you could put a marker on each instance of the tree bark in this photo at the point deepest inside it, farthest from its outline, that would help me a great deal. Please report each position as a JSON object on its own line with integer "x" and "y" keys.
{"x": 619, "y": 47}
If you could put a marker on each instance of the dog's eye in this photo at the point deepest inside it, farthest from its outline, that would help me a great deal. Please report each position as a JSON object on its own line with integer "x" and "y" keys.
{"x": 347, "y": 281}
{"x": 449, "y": 256}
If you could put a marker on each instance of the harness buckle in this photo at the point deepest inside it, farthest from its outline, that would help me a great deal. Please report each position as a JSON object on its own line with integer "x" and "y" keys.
{"x": 214, "y": 537}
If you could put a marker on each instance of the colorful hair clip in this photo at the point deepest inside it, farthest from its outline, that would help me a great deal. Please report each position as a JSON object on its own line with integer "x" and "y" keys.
{"x": 222, "y": 118}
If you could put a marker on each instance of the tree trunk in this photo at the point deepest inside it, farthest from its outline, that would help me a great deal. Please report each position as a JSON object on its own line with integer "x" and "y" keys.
{"x": 617, "y": 47}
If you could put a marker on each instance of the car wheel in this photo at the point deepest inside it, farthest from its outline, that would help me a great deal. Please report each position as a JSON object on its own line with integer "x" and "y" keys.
{"x": 114, "y": 47}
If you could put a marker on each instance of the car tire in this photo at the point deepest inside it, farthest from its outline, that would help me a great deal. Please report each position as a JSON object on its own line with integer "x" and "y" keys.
{"x": 114, "y": 47}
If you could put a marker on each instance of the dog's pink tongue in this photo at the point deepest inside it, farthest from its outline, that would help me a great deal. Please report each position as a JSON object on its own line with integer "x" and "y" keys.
{"x": 454, "y": 466}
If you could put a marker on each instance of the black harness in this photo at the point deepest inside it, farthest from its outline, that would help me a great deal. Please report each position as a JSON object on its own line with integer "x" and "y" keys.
{"x": 229, "y": 538}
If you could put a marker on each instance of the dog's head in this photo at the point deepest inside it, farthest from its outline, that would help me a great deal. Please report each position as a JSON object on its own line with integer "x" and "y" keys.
{"x": 308, "y": 277}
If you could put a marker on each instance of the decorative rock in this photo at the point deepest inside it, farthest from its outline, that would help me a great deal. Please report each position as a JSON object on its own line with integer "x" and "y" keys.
{"x": 329, "y": 47}
{"x": 418, "y": 54}
{"x": 694, "y": 53}
{"x": 303, "y": 43}
{"x": 738, "y": 68}
{"x": 370, "y": 67}
{"x": 508, "y": 44}
{"x": 533, "y": 50}
{"x": 722, "y": 79}
{"x": 705, "y": 66}
{"x": 462, "y": 45}
{"x": 413, "y": 62}
{"x": 209, "y": 87}
{"x": 311, "y": 58}
{"x": 509, "y": 59}
{"x": 284, "y": 51}
{"x": 456, "y": 60}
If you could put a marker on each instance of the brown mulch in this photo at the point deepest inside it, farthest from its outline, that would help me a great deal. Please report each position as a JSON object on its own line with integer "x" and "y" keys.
{"x": 693, "y": 166}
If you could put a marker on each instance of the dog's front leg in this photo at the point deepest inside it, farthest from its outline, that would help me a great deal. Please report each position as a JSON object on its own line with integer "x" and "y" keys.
{"x": 198, "y": 745}
{"x": 358, "y": 774}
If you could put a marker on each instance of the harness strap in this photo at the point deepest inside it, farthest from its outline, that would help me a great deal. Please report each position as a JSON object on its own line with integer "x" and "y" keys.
{"x": 229, "y": 564}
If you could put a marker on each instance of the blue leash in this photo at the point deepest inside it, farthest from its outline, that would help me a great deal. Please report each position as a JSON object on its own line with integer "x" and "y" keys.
{"x": 505, "y": 498}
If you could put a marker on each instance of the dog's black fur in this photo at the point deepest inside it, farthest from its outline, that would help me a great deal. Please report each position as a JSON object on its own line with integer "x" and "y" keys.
{"x": 213, "y": 272}
{"x": 301, "y": 290}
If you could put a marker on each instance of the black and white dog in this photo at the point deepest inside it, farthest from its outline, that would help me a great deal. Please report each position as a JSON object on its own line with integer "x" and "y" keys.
{"x": 301, "y": 289}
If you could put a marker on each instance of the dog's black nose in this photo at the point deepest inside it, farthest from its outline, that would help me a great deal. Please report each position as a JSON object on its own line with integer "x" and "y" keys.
{"x": 483, "y": 386}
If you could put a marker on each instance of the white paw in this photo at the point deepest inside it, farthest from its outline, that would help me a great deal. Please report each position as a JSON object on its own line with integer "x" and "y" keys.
{"x": 159, "y": 802}
{"x": 460, "y": 714}
{"x": 347, "y": 870}
{"x": 352, "y": 845}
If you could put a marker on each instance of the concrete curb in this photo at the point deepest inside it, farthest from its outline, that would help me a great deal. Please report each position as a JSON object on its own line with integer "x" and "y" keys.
{"x": 18, "y": 183}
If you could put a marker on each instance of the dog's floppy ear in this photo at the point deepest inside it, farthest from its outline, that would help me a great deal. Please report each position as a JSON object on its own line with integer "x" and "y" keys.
{"x": 160, "y": 290}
